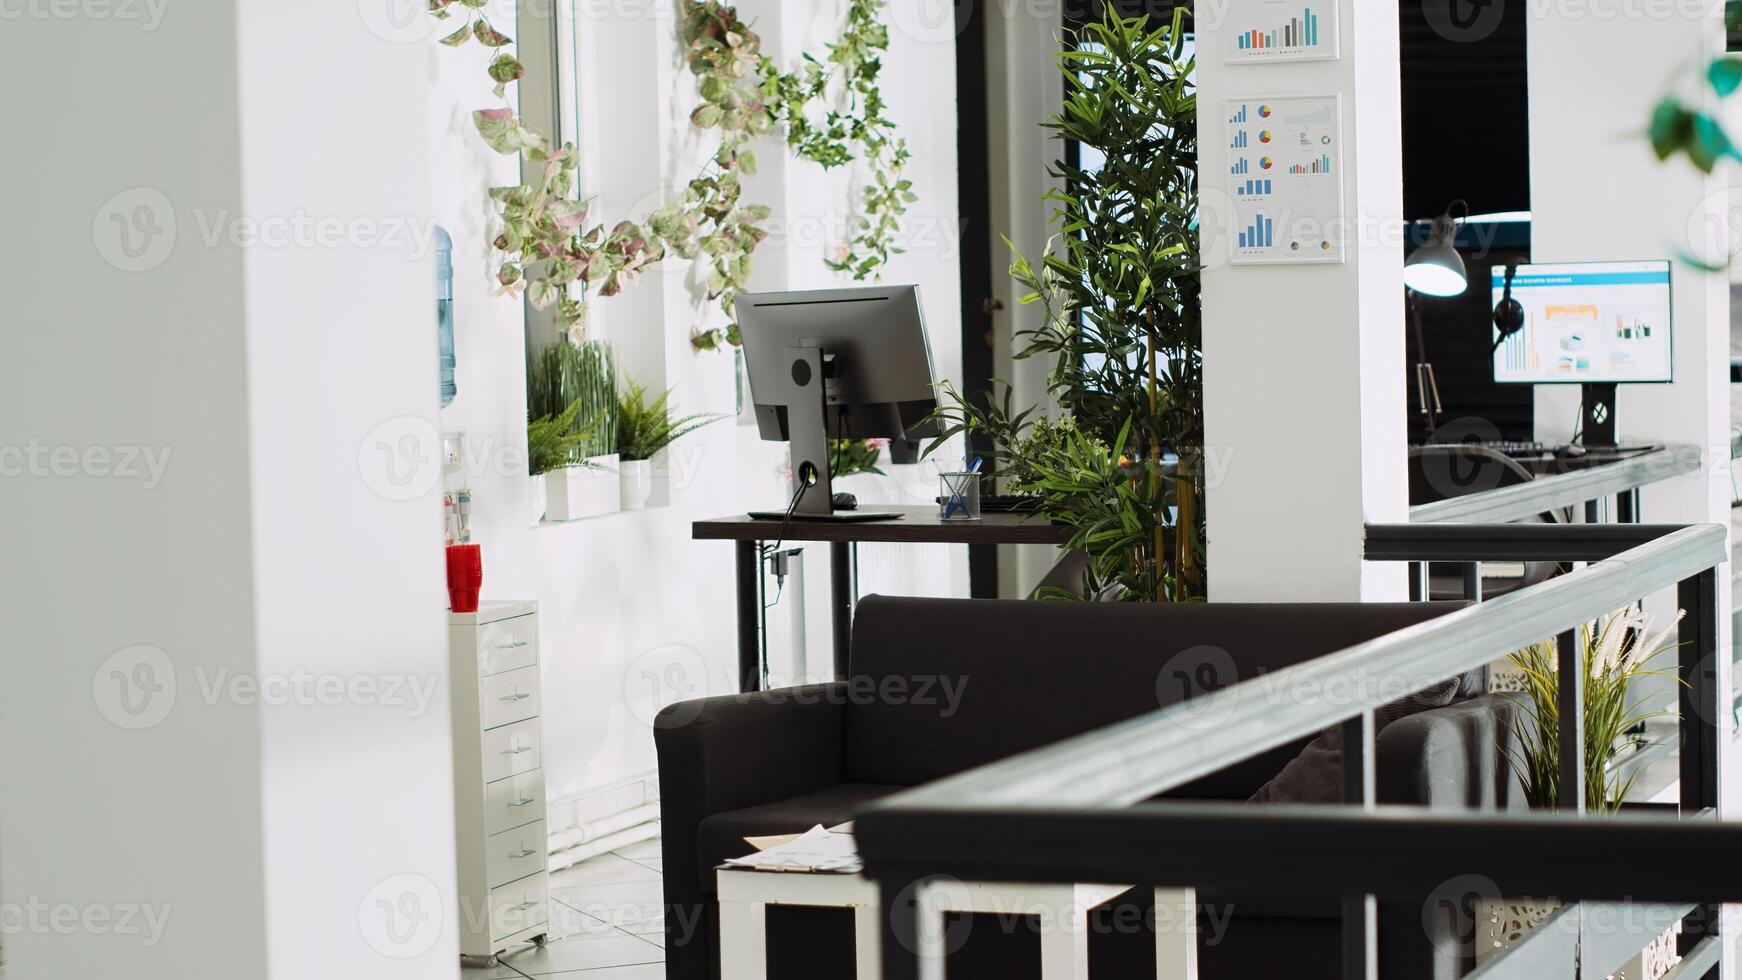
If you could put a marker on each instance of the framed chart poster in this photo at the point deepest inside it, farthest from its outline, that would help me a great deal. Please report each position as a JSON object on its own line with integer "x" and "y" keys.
{"x": 1281, "y": 30}
{"x": 1285, "y": 180}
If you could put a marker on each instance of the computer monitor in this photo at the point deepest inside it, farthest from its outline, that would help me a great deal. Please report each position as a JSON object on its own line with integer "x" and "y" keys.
{"x": 1596, "y": 324}
{"x": 1587, "y": 323}
{"x": 835, "y": 364}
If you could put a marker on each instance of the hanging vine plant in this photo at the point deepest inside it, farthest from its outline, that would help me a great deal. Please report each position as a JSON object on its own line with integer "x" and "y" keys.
{"x": 545, "y": 247}
{"x": 855, "y": 61}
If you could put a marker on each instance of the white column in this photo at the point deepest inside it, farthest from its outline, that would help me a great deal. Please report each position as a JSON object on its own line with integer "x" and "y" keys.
{"x": 1593, "y": 83}
{"x": 1303, "y": 365}
{"x": 216, "y": 417}
{"x": 1588, "y": 107}
{"x": 1023, "y": 87}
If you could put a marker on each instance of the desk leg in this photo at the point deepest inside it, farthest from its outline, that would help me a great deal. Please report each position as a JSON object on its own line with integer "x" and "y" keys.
{"x": 841, "y": 602}
{"x": 1176, "y": 934}
{"x": 868, "y": 941}
{"x": 749, "y": 616}
{"x": 743, "y": 941}
{"x": 1627, "y": 507}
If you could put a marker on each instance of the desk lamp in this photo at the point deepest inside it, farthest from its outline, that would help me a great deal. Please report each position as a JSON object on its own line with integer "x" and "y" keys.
{"x": 1435, "y": 269}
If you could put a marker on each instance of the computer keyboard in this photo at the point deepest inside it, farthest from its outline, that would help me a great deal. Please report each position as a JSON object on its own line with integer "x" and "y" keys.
{"x": 1515, "y": 449}
{"x": 1518, "y": 449}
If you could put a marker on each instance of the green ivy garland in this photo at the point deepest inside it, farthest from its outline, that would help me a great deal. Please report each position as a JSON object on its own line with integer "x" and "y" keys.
{"x": 545, "y": 246}
{"x": 857, "y": 61}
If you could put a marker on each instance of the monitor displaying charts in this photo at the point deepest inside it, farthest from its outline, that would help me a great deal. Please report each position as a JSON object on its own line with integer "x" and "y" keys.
{"x": 1587, "y": 323}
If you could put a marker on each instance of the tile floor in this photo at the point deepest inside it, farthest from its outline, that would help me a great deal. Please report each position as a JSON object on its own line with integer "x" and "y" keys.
{"x": 607, "y": 923}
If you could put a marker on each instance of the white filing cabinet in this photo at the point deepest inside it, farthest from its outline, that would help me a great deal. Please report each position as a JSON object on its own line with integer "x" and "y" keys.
{"x": 498, "y": 779}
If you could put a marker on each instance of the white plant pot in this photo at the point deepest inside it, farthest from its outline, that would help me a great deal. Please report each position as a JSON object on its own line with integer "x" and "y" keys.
{"x": 1501, "y": 924}
{"x": 537, "y": 497}
{"x": 577, "y": 492}
{"x": 636, "y": 483}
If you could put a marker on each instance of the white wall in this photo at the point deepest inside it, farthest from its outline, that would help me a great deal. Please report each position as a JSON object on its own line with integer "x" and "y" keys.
{"x": 348, "y": 575}
{"x": 627, "y": 596}
{"x": 273, "y": 545}
{"x": 1593, "y": 82}
{"x": 1303, "y": 387}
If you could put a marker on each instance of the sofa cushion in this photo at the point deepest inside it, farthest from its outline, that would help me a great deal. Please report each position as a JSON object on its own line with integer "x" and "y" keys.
{"x": 941, "y": 685}
{"x": 721, "y": 835}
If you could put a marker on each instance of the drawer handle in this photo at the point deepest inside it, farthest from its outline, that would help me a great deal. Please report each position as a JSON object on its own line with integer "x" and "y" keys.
{"x": 517, "y": 644}
{"x": 526, "y": 802}
{"x": 523, "y": 854}
{"x": 518, "y": 749}
{"x": 522, "y": 907}
{"x": 510, "y": 699}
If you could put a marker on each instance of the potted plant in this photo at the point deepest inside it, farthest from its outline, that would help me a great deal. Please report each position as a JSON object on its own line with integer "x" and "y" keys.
{"x": 1614, "y": 652}
{"x": 551, "y": 444}
{"x": 583, "y": 377}
{"x": 643, "y": 431}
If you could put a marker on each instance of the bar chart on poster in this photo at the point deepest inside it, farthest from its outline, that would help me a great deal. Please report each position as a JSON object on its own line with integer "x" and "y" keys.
{"x": 1285, "y": 179}
{"x": 1280, "y": 30}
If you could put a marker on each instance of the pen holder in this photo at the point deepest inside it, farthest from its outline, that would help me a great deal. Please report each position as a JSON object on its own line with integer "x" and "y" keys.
{"x": 960, "y": 496}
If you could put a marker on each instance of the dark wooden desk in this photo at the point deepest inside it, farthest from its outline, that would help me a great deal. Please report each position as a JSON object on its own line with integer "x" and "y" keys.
{"x": 918, "y": 525}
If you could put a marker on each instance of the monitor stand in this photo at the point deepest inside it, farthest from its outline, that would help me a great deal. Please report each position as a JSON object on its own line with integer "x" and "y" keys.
{"x": 807, "y": 424}
{"x": 1597, "y": 416}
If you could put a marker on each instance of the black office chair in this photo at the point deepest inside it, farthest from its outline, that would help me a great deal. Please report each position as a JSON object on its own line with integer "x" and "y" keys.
{"x": 1458, "y": 470}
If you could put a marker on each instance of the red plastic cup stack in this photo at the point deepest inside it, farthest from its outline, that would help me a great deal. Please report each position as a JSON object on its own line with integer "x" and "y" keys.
{"x": 465, "y": 577}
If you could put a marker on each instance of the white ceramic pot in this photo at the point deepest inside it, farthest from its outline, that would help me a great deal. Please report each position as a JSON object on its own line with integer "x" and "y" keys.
{"x": 637, "y": 482}
{"x": 576, "y": 492}
{"x": 538, "y": 495}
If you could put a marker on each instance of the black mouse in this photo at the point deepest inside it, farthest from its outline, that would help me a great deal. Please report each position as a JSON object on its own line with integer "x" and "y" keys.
{"x": 1571, "y": 450}
{"x": 844, "y": 501}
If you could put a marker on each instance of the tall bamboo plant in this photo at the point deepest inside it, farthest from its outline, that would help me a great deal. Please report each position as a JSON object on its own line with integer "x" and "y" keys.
{"x": 1120, "y": 293}
{"x": 566, "y": 374}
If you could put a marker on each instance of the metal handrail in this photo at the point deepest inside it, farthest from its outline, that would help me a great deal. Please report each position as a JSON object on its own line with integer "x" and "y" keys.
{"x": 1072, "y": 812}
{"x": 1136, "y": 759}
{"x": 1548, "y": 493}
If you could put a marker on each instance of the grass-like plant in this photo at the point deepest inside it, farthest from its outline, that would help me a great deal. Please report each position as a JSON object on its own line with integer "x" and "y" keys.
{"x": 583, "y": 375}
{"x": 644, "y": 429}
{"x": 1614, "y": 652}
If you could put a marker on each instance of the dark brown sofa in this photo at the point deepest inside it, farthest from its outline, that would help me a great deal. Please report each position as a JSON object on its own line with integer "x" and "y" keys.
{"x": 938, "y": 686}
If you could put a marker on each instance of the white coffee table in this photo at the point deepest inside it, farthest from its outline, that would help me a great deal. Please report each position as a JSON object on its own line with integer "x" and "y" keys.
{"x": 745, "y": 895}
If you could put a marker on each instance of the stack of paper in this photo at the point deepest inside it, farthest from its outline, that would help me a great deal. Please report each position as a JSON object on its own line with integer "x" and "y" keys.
{"x": 817, "y": 850}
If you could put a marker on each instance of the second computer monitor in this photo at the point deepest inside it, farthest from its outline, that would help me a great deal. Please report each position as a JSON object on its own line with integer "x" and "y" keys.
{"x": 1595, "y": 323}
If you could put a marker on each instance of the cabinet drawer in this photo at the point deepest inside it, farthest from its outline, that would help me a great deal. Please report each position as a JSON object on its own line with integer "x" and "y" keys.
{"x": 509, "y": 697}
{"x": 514, "y": 854}
{"x": 511, "y": 750}
{"x": 514, "y": 802}
{"x": 519, "y": 906}
{"x": 508, "y": 644}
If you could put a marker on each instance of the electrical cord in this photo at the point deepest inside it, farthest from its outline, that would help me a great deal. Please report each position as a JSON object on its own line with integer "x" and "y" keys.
{"x": 805, "y": 481}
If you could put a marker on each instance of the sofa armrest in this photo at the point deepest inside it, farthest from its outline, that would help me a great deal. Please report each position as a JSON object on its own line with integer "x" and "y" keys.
{"x": 1453, "y": 757}
{"x": 738, "y": 750}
